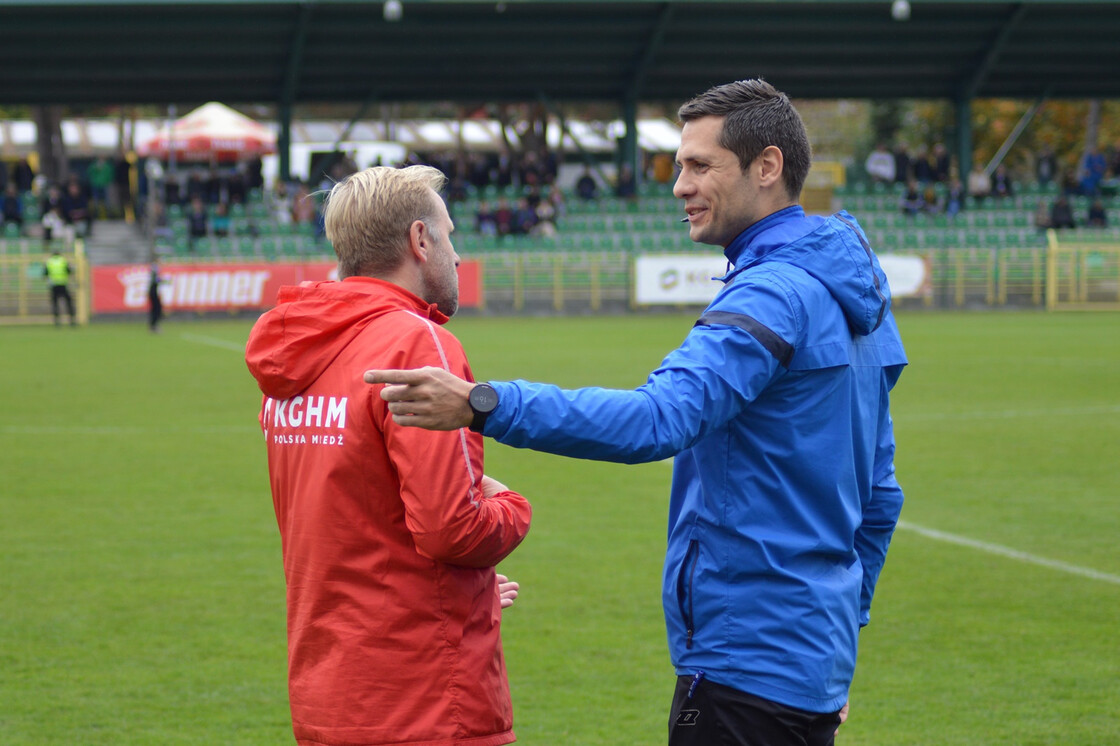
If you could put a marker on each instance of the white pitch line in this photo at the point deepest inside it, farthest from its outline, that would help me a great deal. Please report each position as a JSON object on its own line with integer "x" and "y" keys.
{"x": 1014, "y": 554}
{"x": 225, "y": 344}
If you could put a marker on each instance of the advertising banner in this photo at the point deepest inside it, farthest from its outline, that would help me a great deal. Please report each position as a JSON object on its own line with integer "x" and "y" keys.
{"x": 681, "y": 279}
{"x": 907, "y": 275}
{"x": 687, "y": 279}
{"x": 226, "y": 287}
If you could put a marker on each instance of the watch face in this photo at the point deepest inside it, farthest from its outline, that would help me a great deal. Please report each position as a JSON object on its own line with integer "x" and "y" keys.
{"x": 483, "y": 398}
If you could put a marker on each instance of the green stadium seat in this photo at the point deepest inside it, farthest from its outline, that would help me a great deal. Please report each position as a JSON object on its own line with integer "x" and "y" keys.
{"x": 268, "y": 247}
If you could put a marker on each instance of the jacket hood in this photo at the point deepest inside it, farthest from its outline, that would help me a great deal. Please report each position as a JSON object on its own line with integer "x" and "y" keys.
{"x": 833, "y": 250}
{"x": 292, "y": 344}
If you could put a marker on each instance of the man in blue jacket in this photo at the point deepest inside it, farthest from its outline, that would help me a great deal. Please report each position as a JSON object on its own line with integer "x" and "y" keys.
{"x": 776, "y": 407}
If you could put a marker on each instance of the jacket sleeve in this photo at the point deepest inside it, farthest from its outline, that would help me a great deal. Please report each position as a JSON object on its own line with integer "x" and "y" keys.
{"x": 440, "y": 475}
{"x": 880, "y": 517}
{"x": 715, "y": 373}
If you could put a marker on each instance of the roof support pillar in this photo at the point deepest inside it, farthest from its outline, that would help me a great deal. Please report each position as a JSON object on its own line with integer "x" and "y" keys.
{"x": 291, "y": 83}
{"x": 963, "y": 106}
{"x": 628, "y": 148}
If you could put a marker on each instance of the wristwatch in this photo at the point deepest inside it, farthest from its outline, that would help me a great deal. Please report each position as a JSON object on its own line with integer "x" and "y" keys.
{"x": 483, "y": 400}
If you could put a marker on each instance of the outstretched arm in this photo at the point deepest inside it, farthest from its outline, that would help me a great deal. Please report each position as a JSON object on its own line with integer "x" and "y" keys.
{"x": 431, "y": 398}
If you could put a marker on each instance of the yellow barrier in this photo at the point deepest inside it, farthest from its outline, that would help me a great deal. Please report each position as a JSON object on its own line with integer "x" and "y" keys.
{"x": 24, "y": 292}
{"x": 1082, "y": 276}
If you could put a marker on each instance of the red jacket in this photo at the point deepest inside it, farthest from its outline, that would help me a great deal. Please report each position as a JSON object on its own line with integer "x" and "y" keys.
{"x": 389, "y": 546}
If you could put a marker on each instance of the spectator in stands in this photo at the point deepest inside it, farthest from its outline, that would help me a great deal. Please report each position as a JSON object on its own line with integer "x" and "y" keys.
{"x": 503, "y": 217}
{"x": 1097, "y": 217}
{"x": 524, "y": 218}
{"x": 51, "y": 200}
{"x": 1070, "y": 184}
{"x": 912, "y": 201}
{"x": 75, "y": 208}
{"x": 626, "y": 186}
{"x": 254, "y": 174}
{"x": 24, "y": 176}
{"x": 236, "y": 186}
{"x": 1001, "y": 182}
{"x": 478, "y": 170}
{"x": 534, "y": 196}
{"x": 1046, "y": 166}
{"x": 503, "y": 170}
{"x": 11, "y": 206}
{"x": 282, "y": 202}
{"x": 979, "y": 183}
{"x": 55, "y": 227}
{"x": 1061, "y": 215}
{"x": 880, "y": 165}
{"x": 901, "y": 164}
{"x": 303, "y": 205}
{"x": 942, "y": 163}
{"x": 484, "y": 220}
{"x": 457, "y": 190}
{"x": 160, "y": 224}
{"x": 529, "y": 170}
{"x": 586, "y": 186}
{"x": 555, "y": 197}
{"x": 219, "y": 224}
{"x": 954, "y": 198}
{"x": 1042, "y": 215}
{"x": 546, "y": 220}
{"x": 1092, "y": 170}
{"x": 932, "y": 202}
{"x": 922, "y": 165}
{"x": 100, "y": 178}
{"x": 198, "y": 221}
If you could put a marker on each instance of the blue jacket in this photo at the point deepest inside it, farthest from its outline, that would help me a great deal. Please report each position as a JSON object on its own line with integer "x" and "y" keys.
{"x": 784, "y": 499}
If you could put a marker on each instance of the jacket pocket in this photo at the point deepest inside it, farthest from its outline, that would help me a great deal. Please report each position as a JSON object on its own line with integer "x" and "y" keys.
{"x": 685, "y": 580}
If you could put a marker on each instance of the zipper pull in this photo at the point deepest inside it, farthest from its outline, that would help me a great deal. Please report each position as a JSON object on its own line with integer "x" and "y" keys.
{"x": 688, "y": 640}
{"x": 695, "y": 683}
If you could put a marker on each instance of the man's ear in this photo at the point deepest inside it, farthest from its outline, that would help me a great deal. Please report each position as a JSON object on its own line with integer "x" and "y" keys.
{"x": 770, "y": 162}
{"x": 419, "y": 240}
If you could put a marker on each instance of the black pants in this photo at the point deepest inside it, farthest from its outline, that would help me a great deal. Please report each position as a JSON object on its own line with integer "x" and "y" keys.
{"x": 61, "y": 292}
{"x": 717, "y": 715}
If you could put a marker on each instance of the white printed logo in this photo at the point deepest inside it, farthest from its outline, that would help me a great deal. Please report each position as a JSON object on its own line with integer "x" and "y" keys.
{"x": 305, "y": 420}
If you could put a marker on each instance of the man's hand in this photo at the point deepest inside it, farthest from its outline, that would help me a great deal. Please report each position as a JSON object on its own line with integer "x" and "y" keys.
{"x": 430, "y": 398}
{"x": 843, "y": 710}
{"x": 507, "y": 590}
{"x": 491, "y": 486}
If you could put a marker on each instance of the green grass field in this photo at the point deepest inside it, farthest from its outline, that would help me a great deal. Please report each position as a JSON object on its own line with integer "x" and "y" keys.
{"x": 142, "y": 592}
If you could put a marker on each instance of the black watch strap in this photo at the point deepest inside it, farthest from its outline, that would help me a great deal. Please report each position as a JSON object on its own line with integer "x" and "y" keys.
{"x": 483, "y": 400}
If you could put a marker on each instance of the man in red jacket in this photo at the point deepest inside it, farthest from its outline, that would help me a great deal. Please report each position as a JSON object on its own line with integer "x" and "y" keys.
{"x": 390, "y": 534}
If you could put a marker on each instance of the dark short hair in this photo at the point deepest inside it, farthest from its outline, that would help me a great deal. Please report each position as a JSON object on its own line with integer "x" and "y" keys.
{"x": 758, "y": 115}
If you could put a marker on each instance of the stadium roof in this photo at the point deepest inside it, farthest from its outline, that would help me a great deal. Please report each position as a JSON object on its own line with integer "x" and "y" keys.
{"x": 299, "y": 51}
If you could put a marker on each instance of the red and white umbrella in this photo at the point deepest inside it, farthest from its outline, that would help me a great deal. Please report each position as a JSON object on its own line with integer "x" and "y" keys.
{"x": 212, "y": 132}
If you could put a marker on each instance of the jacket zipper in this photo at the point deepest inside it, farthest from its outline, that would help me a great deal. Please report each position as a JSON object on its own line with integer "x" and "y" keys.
{"x": 684, "y": 590}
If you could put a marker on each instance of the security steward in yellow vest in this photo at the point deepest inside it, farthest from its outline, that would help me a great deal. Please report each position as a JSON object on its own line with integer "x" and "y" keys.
{"x": 57, "y": 271}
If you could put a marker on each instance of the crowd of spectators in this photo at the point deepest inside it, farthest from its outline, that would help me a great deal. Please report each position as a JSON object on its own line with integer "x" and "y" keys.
{"x": 536, "y": 203}
{"x": 66, "y": 208}
{"x": 927, "y": 182}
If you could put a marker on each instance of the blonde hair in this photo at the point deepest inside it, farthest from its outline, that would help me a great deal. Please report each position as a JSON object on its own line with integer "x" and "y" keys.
{"x": 368, "y": 216}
